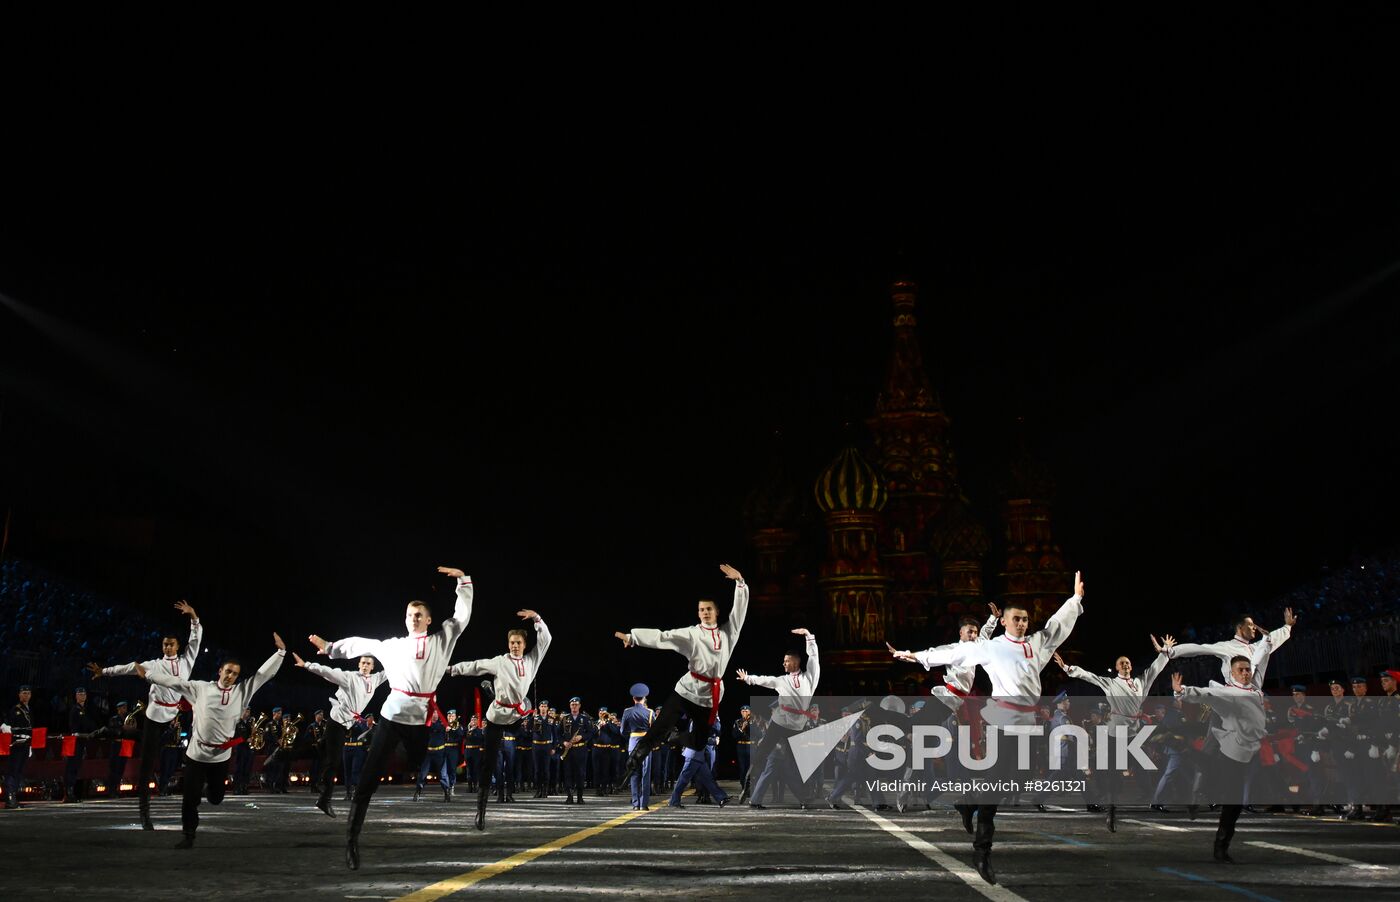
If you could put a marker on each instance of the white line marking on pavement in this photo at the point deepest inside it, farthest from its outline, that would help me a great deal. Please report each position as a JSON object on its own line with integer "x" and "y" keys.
{"x": 942, "y": 859}
{"x": 1321, "y": 856}
{"x": 1167, "y": 827}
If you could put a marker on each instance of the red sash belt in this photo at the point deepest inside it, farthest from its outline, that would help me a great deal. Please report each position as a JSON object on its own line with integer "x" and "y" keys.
{"x": 182, "y": 704}
{"x": 1026, "y": 709}
{"x": 799, "y": 711}
{"x": 237, "y": 740}
{"x": 714, "y": 693}
{"x": 518, "y": 707}
{"x": 955, "y": 690}
{"x": 432, "y": 703}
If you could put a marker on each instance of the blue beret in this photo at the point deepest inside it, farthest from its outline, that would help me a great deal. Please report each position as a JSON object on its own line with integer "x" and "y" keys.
{"x": 120, "y": 703}
{"x": 318, "y": 711}
{"x": 745, "y": 708}
{"x": 1102, "y": 706}
{"x": 275, "y": 710}
{"x": 1064, "y": 694}
{"x": 1298, "y": 687}
{"x": 639, "y": 690}
{"x": 544, "y": 701}
{"x": 451, "y": 710}
{"x": 1334, "y": 682}
{"x": 575, "y": 699}
{"x": 602, "y": 710}
{"x": 24, "y": 687}
{"x": 78, "y": 689}
{"x": 1355, "y": 680}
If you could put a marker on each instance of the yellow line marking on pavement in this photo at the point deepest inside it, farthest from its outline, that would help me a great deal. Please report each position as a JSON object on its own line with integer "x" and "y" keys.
{"x": 460, "y": 882}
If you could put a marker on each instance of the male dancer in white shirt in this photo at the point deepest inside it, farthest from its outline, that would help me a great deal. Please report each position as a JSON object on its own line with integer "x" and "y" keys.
{"x": 217, "y": 709}
{"x": 707, "y": 646}
{"x": 163, "y": 704}
{"x": 1243, "y": 725}
{"x": 511, "y": 673}
{"x": 1013, "y": 661}
{"x": 1243, "y": 644}
{"x": 794, "y": 714}
{"x": 1125, "y": 694}
{"x": 414, "y": 665}
{"x": 349, "y": 702}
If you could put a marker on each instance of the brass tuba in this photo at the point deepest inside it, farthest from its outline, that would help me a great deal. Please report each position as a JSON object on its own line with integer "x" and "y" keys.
{"x": 289, "y": 733}
{"x": 256, "y": 737}
{"x": 133, "y": 719}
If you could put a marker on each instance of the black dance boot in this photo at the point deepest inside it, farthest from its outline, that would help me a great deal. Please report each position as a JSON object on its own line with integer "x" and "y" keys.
{"x": 481, "y": 811}
{"x": 967, "y": 811}
{"x": 144, "y": 803}
{"x": 982, "y": 849}
{"x": 1223, "y": 835}
{"x": 187, "y": 842}
{"x": 352, "y": 851}
{"x": 1112, "y": 819}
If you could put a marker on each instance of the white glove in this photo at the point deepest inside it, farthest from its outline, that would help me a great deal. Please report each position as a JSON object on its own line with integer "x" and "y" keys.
{"x": 1349, "y": 755}
{"x": 1374, "y": 752}
{"x": 1322, "y": 733}
{"x": 1390, "y": 753}
{"x": 1316, "y": 757}
{"x": 1344, "y": 722}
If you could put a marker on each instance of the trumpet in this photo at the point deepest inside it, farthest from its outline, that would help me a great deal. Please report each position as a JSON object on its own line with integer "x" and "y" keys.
{"x": 134, "y": 718}
{"x": 289, "y": 733}
{"x": 256, "y": 737}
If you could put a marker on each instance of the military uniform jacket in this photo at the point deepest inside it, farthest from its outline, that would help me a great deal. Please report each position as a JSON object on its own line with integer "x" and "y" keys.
{"x": 581, "y": 725}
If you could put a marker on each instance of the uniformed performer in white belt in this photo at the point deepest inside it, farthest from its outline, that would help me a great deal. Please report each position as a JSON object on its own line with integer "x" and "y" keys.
{"x": 352, "y": 695}
{"x": 163, "y": 704}
{"x": 707, "y": 646}
{"x": 1013, "y": 661}
{"x": 1125, "y": 694}
{"x": 217, "y": 709}
{"x": 1243, "y": 725}
{"x": 512, "y": 674}
{"x": 414, "y": 665}
{"x": 794, "y": 714}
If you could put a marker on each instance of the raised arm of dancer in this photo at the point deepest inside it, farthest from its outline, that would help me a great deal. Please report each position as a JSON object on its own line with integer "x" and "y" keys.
{"x": 462, "y": 611}
{"x": 1079, "y": 673}
{"x": 1059, "y": 626}
{"x": 269, "y": 667}
{"x": 740, "y": 611}
{"x": 814, "y": 667}
{"x": 479, "y": 667}
{"x": 990, "y": 627}
{"x": 753, "y": 679}
{"x": 191, "y": 652}
{"x": 1215, "y": 695}
{"x": 542, "y": 636}
{"x": 1154, "y": 670}
{"x": 334, "y": 675}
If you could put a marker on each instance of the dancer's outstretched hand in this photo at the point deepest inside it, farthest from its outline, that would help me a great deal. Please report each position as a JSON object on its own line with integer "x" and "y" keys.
{"x": 1078, "y": 584}
{"x": 526, "y": 614}
{"x": 1061, "y": 661}
{"x": 626, "y": 639}
{"x": 140, "y": 671}
{"x": 296, "y": 657}
{"x": 277, "y": 640}
{"x": 901, "y": 655}
{"x": 742, "y": 674}
{"x": 184, "y": 607}
{"x": 1177, "y": 682}
{"x": 1289, "y": 618}
{"x": 731, "y": 572}
{"x": 801, "y": 631}
{"x": 321, "y": 644}
{"x": 95, "y": 669}
{"x": 996, "y": 611}
{"x": 451, "y": 571}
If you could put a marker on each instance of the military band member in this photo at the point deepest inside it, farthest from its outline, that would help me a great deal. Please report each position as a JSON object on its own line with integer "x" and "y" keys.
{"x": 606, "y": 739}
{"x": 743, "y": 745}
{"x": 1125, "y": 695}
{"x": 357, "y": 740}
{"x": 475, "y": 742}
{"x": 217, "y": 706}
{"x": 453, "y": 753}
{"x": 636, "y": 720}
{"x": 1013, "y": 661}
{"x": 319, "y": 726}
{"x": 354, "y": 689}
{"x": 116, "y": 732}
{"x": 512, "y": 674}
{"x": 436, "y": 756}
{"x": 275, "y": 765}
{"x": 543, "y": 734}
{"x": 162, "y": 705}
{"x": 707, "y": 647}
{"x": 82, "y": 724}
{"x": 795, "y": 689}
{"x": 19, "y": 724}
{"x": 243, "y": 753}
{"x": 1240, "y": 705}
{"x": 414, "y": 665}
{"x": 576, "y": 728}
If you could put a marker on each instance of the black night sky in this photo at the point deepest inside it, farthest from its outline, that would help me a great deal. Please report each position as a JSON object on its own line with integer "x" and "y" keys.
{"x": 287, "y": 385}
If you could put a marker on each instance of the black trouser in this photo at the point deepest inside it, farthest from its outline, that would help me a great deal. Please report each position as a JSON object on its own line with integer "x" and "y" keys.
{"x": 666, "y": 718}
{"x": 14, "y": 775}
{"x": 242, "y": 767}
{"x": 198, "y": 775}
{"x": 71, "y": 768}
{"x": 151, "y": 733}
{"x": 1227, "y": 790}
{"x": 775, "y": 733}
{"x": 387, "y": 736}
{"x": 330, "y": 757}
